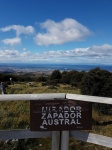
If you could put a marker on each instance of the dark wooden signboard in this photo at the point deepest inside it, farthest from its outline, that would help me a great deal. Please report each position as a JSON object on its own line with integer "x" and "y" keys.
{"x": 54, "y": 115}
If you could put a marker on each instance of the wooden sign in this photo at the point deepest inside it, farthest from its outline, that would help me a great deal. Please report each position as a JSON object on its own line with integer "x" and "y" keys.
{"x": 54, "y": 115}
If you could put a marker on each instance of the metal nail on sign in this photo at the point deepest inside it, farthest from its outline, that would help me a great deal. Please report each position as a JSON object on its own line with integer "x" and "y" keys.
{"x": 54, "y": 115}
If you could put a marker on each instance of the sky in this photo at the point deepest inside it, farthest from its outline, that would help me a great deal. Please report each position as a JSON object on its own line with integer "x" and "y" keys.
{"x": 56, "y": 31}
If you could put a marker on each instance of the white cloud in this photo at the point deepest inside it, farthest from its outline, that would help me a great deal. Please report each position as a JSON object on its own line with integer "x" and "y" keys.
{"x": 24, "y": 49}
{"x": 10, "y": 54}
{"x": 19, "y": 29}
{"x": 12, "y": 41}
{"x": 67, "y": 30}
{"x": 94, "y": 54}
{"x": 90, "y": 52}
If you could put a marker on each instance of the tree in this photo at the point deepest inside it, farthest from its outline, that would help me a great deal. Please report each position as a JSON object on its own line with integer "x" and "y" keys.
{"x": 56, "y": 75}
{"x": 76, "y": 78}
{"x": 98, "y": 82}
{"x": 65, "y": 77}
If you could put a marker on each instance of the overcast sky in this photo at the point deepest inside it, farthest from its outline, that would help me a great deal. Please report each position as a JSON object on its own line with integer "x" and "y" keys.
{"x": 56, "y": 31}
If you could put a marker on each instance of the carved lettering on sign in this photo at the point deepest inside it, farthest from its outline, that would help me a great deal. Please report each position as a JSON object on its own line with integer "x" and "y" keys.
{"x": 60, "y": 115}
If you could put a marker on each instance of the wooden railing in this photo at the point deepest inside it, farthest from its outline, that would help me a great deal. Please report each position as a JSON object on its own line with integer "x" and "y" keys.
{"x": 55, "y": 135}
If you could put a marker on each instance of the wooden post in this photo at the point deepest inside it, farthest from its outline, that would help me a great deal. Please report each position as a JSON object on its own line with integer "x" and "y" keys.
{"x": 11, "y": 81}
{"x": 55, "y": 140}
{"x": 65, "y": 140}
{"x": 3, "y": 88}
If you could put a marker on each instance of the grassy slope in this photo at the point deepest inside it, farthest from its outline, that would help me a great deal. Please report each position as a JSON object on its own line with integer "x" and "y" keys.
{"x": 15, "y": 115}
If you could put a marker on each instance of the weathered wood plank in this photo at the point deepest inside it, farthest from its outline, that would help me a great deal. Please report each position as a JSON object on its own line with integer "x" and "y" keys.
{"x": 92, "y": 138}
{"x": 55, "y": 140}
{"x": 80, "y": 135}
{"x": 48, "y": 96}
{"x": 22, "y": 134}
{"x": 51, "y": 96}
{"x": 87, "y": 98}
{"x": 65, "y": 140}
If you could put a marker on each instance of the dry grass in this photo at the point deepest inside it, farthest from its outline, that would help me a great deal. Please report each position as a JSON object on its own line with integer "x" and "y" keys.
{"x": 15, "y": 115}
